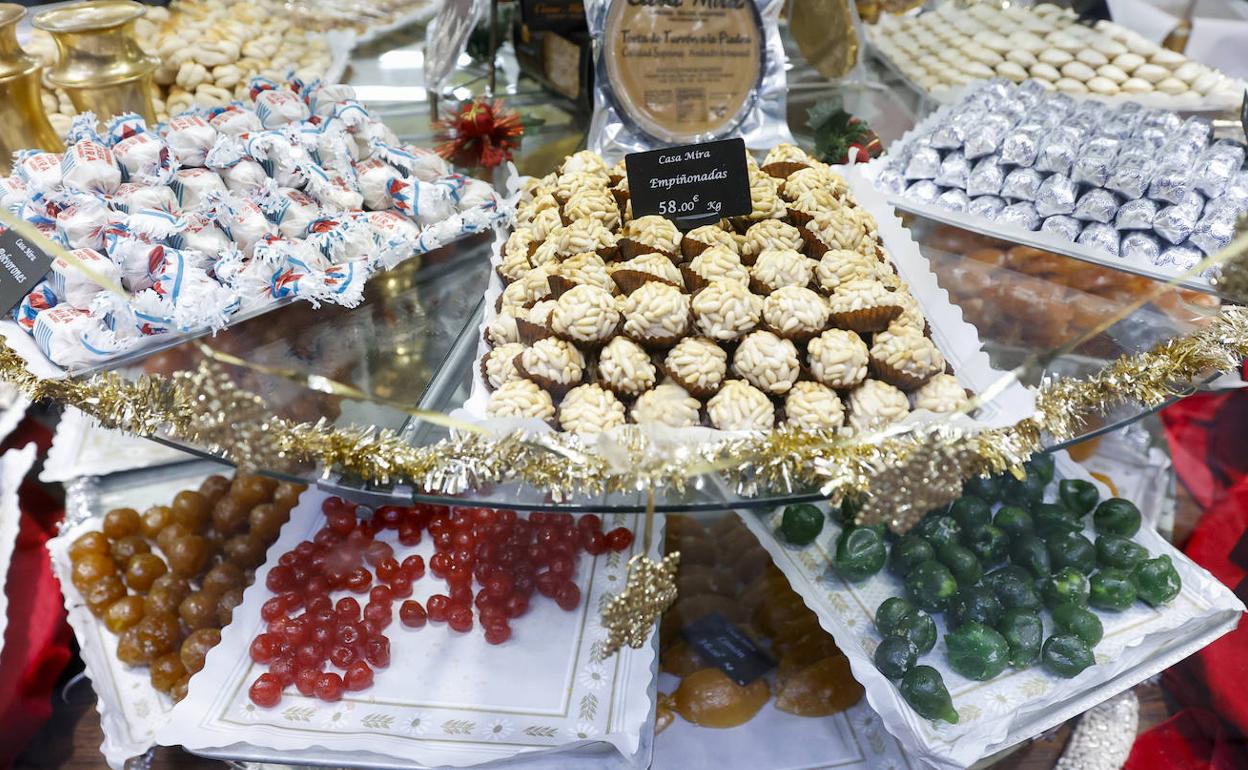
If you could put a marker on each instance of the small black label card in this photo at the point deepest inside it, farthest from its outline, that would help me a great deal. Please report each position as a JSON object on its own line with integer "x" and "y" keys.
{"x": 695, "y": 184}
{"x": 557, "y": 15}
{"x": 22, "y": 266}
{"x": 727, "y": 648}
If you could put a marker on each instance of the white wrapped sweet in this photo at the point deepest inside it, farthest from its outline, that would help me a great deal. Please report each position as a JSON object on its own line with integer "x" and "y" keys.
{"x": 74, "y": 287}
{"x": 190, "y": 137}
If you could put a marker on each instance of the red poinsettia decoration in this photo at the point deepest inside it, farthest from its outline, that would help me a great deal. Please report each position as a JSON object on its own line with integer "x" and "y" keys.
{"x": 480, "y": 134}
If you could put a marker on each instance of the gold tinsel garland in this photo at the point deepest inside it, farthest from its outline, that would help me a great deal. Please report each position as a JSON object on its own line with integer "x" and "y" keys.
{"x": 900, "y": 476}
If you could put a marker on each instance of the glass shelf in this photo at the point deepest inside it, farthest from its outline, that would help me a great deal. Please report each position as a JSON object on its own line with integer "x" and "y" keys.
{"x": 413, "y": 340}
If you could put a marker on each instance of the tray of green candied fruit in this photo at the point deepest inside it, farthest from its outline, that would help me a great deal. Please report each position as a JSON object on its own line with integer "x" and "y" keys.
{"x": 1016, "y": 607}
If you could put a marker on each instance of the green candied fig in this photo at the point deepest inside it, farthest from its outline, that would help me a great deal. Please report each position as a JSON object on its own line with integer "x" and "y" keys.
{"x": 1052, "y": 519}
{"x": 1111, "y": 589}
{"x": 1024, "y": 492}
{"x": 939, "y": 529}
{"x": 989, "y": 543}
{"x": 1023, "y": 631}
{"x": 1030, "y": 553}
{"x": 801, "y": 523}
{"x": 1072, "y": 549}
{"x": 984, "y": 487}
{"x": 1156, "y": 580}
{"x": 1118, "y": 551}
{"x": 846, "y": 512}
{"x": 971, "y": 512}
{"x": 917, "y": 626}
{"x": 1079, "y": 621}
{"x": 895, "y": 656}
{"x": 1043, "y": 465}
{"x": 961, "y": 562}
{"x": 1066, "y": 655}
{"x": 860, "y": 553}
{"x": 1116, "y": 516}
{"x": 974, "y": 604}
{"x": 889, "y": 612}
{"x": 924, "y": 689}
{"x": 930, "y": 585}
{"x": 907, "y": 552}
{"x": 1014, "y": 587}
{"x": 1066, "y": 586}
{"x": 1014, "y": 521}
{"x": 976, "y": 651}
{"x": 1078, "y": 495}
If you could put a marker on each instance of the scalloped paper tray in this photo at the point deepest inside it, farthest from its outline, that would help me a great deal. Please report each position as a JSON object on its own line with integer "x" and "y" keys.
{"x": 1016, "y": 705}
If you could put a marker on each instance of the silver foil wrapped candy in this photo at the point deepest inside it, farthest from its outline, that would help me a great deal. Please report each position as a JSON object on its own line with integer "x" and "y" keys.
{"x": 953, "y": 200}
{"x": 924, "y": 163}
{"x": 1067, "y": 227}
{"x": 1175, "y": 222}
{"x": 1056, "y": 195}
{"x": 1096, "y": 205}
{"x": 986, "y": 206}
{"x": 1136, "y": 215}
{"x": 1141, "y": 247}
{"x": 1101, "y": 237}
{"x": 1022, "y": 214}
{"x": 985, "y": 178}
{"x": 954, "y": 170}
{"x": 924, "y": 190}
{"x": 1021, "y": 184}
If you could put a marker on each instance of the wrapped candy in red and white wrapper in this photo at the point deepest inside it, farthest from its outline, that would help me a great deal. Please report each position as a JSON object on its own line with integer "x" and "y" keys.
{"x": 136, "y": 259}
{"x": 276, "y": 106}
{"x": 341, "y": 240}
{"x": 233, "y": 120}
{"x": 48, "y": 230}
{"x": 332, "y": 191}
{"x": 41, "y": 209}
{"x": 154, "y": 224}
{"x": 290, "y": 209}
{"x": 84, "y": 222}
{"x": 39, "y": 299}
{"x": 76, "y": 337}
{"x": 201, "y": 234}
{"x": 39, "y": 170}
{"x": 74, "y": 287}
{"x": 130, "y": 195}
{"x": 388, "y": 226}
{"x": 145, "y": 158}
{"x": 476, "y": 193}
{"x": 425, "y": 165}
{"x": 426, "y": 202}
{"x": 336, "y": 150}
{"x": 321, "y": 97}
{"x": 190, "y": 137}
{"x": 282, "y": 154}
{"x": 88, "y": 166}
{"x": 183, "y": 297}
{"x": 193, "y": 186}
{"x": 373, "y": 177}
{"x": 123, "y": 126}
{"x": 243, "y": 221}
{"x": 13, "y": 194}
{"x": 244, "y": 177}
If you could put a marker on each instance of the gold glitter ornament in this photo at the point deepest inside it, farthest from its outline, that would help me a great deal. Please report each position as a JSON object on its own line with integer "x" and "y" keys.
{"x": 629, "y": 617}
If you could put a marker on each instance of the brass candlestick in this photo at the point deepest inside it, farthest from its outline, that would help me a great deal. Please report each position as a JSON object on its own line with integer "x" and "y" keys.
{"x": 23, "y": 123}
{"x": 101, "y": 65}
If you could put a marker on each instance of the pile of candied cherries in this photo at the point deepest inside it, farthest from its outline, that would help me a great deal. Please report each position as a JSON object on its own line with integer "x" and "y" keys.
{"x": 492, "y": 560}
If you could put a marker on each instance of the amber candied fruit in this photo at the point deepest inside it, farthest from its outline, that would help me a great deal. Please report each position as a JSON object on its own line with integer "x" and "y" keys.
{"x": 287, "y": 494}
{"x": 170, "y": 535}
{"x": 196, "y": 647}
{"x": 681, "y": 660}
{"x": 663, "y": 713}
{"x": 178, "y": 691}
{"x": 90, "y": 568}
{"x": 229, "y": 515}
{"x": 158, "y": 634}
{"x": 155, "y": 519}
{"x": 822, "y": 688}
{"x": 120, "y": 522}
{"x": 226, "y": 604}
{"x": 88, "y": 542}
{"x": 245, "y": 551}
{"x": 199, "y": 610}
{"x": 123, "y": 613}
{"x": 214, "y": 488}
{"x": 222, "y": 577}
{"x": 710, "y": 699}
{"x": 187, "y": 555}
{"x": 143, "y": 569}
{"x": 166, "y": 671}
{"x": 252, "y": 490}
{"x": 101, "y": 594}
{"x": 265, "y": 521}
{"x": 125, "y": 548}
{"x": 191, "y": 510}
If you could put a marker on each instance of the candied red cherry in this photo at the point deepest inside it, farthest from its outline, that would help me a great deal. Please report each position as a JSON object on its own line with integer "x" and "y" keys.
{"x": 464, "y": 539}
{"x": 497, "y": 634}
{"x": 349, "y": 633}
{"x": 438, "y": 606}
{"x": 619, "y": 539}
{"x": 568, "y": 596}
{"x": 443, "y": 540}
{"x": 414, "y": 567}
{"x": 266, "y": 691}
{"x": 342, "y": 655}
{"x": 295, "y": 632}
{"x": 594, "y": 542}
{"x": 547, "y": 583}
{"x": 317, "y": 602}
{"x": 347, "y": 608}
{"x": 264, "y": 648}
{"x": 377, "y": 651}
{"x": 516, "y": 605}
{"x": 590, "y": 521}
{"x": 524, "y": 584}
{"x": 460, "y": 619}
{"x": 411, "y": 614}
{"x": 359, "y": 579}
{"x": 458, "y": 575}
{"x": 369, "y": 527}
{"x": 291, "y": 600}
{"x": 310, "y": 654}
{"x": 388, "y": 570}
{"x": 463, "y": 557}
{"x": 272, "y": 609}
{"x": 492, "y": 615}
{"x": 378, "y": 614}
{"x": 536, "y": 553}
{"x": 499, "y": 586}
{"x": 562, "y": 566}
{"x": 340, "y": 523}
{"x": 322, "y": 636}
{"x": 358, "y": 677}
{"x": 409, "y": 534}
{"x": 377, "y": 552}
{"x": 284, "y": 669}
{"x": 305, "y": 681}
{"x": 329, "y": 687}
{"x": 390, "y": 515}
{"x": 316, "y": 585}
{"x": 439, "y": 563}
{"x": 461, "y": 596}
{"x": 380, "y": 594}
{"x": 401, "y": 587}
{"x": 483, "y": 600}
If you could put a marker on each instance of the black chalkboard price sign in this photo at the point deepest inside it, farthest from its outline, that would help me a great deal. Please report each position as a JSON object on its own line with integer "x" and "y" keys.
{"x": 693, "y": 184}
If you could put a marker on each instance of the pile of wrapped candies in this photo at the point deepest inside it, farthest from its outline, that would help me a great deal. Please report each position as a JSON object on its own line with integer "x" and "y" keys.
{"x": 1140, "y": 184}
{"x": 300, "y": 193}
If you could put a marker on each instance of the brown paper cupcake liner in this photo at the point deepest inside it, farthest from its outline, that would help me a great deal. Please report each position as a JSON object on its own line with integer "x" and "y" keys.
{"x": 559, "y": 285}
{"x": 629, "y": 281}
{"x": 797, "y": 337}
{"x": 690, "y": 248}
{"x": 533, "y": 247}
{"x": 700, "y": 393}
{"x": 608, "y": 253}
{"x": 741, "y": 224}
{"x": 590, "y": 347}
{"x": 555, "y": 389}
{"x": 782, "y": 169}
{"x": 485, "y": 377}
{"x": 870, "y": 319}
{"x": 630, "y": 248}
{"x": 693, "y": 282}
{"x": 815, "y": 247}
{"x": 530, "y": 332}
{"x": 798, "y": 218}
{"x": 661, "y": 343}
{"x": 614, "y": 179}
{"x": 621, "y": 198}
{"x": 896, "y": 377}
